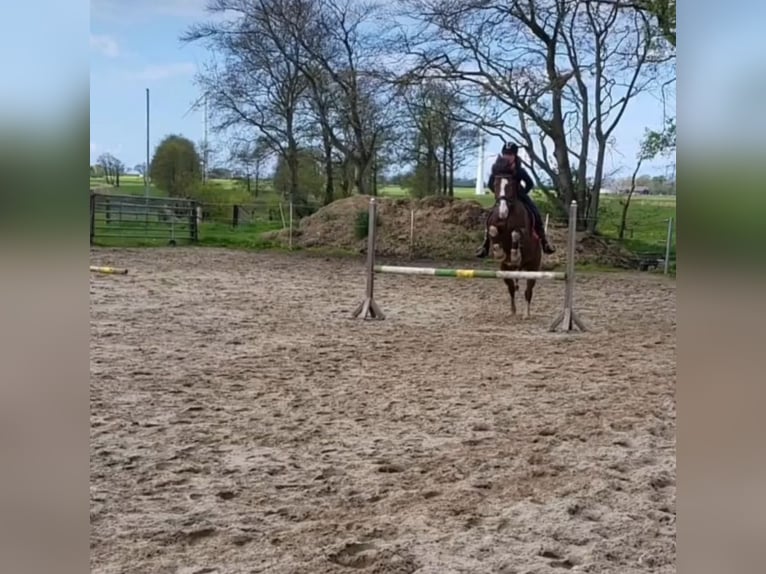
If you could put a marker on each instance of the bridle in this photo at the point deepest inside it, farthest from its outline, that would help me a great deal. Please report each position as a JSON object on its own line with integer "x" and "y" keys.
{"x": 502, "y": 202}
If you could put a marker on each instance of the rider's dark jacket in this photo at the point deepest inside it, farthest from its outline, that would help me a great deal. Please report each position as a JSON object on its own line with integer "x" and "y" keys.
{"x": 502, "y": 167}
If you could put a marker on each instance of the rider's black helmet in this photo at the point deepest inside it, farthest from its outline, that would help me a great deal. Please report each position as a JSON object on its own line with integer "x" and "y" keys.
{"x": 510, "y": 148}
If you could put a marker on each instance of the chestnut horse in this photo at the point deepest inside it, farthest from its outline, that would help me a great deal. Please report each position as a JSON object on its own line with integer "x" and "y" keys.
{"x": 511, "y": 231}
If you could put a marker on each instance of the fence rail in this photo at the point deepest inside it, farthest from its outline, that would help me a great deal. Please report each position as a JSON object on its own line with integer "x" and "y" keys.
{"x": 153, "y": 219}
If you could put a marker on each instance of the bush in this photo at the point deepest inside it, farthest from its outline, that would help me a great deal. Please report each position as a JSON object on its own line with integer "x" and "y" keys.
{"x": 217, "y": 199}
{"x": 362, "y": 223}
{"x": 176, "y": 166}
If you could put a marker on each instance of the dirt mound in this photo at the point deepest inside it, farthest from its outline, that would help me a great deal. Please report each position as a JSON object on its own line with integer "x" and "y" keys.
{"x": 433, "y": 227}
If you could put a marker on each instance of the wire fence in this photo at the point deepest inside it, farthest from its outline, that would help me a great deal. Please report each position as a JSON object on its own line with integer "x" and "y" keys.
{"x": 244, "y": 224}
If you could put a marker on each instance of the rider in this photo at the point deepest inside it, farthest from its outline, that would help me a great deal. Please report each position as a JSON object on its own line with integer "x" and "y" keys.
{"x": 511, "y": 152}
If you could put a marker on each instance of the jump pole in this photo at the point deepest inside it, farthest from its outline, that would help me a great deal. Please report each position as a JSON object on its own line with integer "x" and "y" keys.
{"x": 108, "y": 270}
{"x": 568, "y": 318}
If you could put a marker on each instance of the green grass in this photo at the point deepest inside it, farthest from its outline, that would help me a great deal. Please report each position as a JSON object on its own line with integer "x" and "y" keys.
{"x": 647, "y": 223}
{"x": 248, "y": 235}
{"x": 129, "y": 185}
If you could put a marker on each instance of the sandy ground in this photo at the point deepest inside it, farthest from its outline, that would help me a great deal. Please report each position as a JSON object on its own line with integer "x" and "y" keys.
{"x": 242, "y": 422}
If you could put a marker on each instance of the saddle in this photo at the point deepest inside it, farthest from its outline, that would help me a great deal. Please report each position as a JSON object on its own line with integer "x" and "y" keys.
{"x": 533, "y": 221}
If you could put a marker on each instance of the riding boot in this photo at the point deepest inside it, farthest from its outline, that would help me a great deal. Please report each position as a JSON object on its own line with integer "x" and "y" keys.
{"x": 547, "y": 247}
{"x": 483, "y": 251}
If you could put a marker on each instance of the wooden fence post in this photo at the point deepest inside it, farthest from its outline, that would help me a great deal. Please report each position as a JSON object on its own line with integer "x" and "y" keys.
{"x": 92, "y": 217}
{"x": 195, "y": 216}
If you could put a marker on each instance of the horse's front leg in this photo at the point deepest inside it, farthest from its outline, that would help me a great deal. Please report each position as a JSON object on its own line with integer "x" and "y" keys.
{"x": 528, "y": 296}
{"x": 515, "y": 251}
{"x": 511, "y": 284}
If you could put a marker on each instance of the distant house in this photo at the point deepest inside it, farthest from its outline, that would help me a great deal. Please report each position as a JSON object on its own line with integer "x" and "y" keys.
{"x": 608, "y": 191}
{"x": 640, "y": 190}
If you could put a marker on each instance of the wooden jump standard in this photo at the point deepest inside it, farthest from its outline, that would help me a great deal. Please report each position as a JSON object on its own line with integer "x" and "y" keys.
{"x": 567, "y": 318}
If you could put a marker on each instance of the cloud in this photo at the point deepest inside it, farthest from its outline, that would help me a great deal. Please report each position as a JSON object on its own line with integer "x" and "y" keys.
{"x": 164, "y": 71}
{"x": 104, "y": 44}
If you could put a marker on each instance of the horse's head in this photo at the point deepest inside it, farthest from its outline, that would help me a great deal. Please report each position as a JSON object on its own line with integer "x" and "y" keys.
{"x": 506, "y": 186}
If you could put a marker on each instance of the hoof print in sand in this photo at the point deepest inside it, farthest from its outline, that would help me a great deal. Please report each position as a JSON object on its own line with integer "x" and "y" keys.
{"x": 390, "y": 468}
{"x": 241, "y": 539}
{"x": 355, "y": 555}
{"x": 196, "y": 535}
{"x": 557, "y": 560}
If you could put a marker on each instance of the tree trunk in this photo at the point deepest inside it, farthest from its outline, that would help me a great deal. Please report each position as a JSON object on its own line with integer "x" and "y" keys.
{"x": 624, "y": 216}
{"x": 598, "y": 179}
{"x": 429, "y": 171}
{"x": 292, "y": 168}
{"x": 329, "y": 187}
{"x": 361, "y": 177}
{"x": 566, "y": 191}
{"x": 444, "y": 169}
{"x": 345, "y": 176}
{"x": 257, "y": 177}
{"x": 626, "y": 203}
{"x": 438, "y": 175}
{"x": 451, "y": 185}
{"x": 558, "y": 135}
{"x": 374, "y": 177}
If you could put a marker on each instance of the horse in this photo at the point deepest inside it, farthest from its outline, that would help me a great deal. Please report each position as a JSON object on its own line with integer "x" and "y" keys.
{"x": 511, "y": 232}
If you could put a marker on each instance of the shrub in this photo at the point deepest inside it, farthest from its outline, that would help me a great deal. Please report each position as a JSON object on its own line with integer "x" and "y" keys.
{"x": 362, "y": 223}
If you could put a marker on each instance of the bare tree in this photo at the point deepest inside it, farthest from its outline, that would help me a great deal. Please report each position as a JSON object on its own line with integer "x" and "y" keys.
{"x": 437, "y": 138}
{"x": 662, "y": 11}
{"x": 113, "y": 168}
{"x": 104, "y": 161}
{"x": 343, "y": 55}
{"x": 322, "y": 105}
{"x": 257, "y": 83}
{"x": 654, "y": 143}
{"x": 247, "y": 157}
{"x": 560, "y": 74}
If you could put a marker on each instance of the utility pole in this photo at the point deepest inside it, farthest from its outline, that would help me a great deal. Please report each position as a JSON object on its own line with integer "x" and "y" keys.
{"x": 205, "y": 145}
{"x": 146, "y": 167}
{"x": 480, "y": 159}
{"x": 480, "y": 167}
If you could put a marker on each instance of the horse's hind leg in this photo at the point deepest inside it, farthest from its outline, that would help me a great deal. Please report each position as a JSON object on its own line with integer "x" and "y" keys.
{"x": 528, "y": 295}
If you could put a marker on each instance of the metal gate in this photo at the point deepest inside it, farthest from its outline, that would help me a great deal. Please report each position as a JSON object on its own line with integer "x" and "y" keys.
{"x": 131, "y": 219}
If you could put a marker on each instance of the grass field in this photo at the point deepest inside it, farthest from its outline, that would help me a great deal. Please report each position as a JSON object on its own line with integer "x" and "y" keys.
{"x": 645, "y": 234}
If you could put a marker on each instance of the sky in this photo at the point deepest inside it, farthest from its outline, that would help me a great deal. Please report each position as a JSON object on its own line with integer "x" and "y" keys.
{"x": 134, "y": 45}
